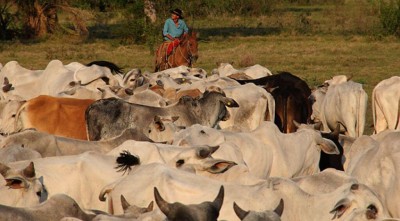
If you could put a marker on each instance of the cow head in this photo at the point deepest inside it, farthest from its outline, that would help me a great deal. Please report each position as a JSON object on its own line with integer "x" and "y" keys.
{"x": 254, "y": 216}
{"x": 358, "y": 200}
{"x": 22, "y": 188}
{"x": 163, "y": 128}
{"x": 198, "y": 159}
{"x": 324, "y": 144}
{"x": 133, "y": 211}
{"x": 206, "y": 211}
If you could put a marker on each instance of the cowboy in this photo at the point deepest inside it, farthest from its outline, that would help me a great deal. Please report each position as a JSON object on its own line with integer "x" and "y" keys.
{"x": 174, "y": 28}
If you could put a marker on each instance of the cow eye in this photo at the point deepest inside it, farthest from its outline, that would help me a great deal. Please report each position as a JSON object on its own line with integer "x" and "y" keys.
{"x": 179, "y": 163}
{"x": 39, "y": 193}
{"x": 149, "y": 130}
{"x": 13, "y": 115}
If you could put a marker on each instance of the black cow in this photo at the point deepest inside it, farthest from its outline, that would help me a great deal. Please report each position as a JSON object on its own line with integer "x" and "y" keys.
{"x": 291, "y": 98}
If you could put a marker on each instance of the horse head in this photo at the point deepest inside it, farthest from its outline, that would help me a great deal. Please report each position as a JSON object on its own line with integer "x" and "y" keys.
{"x": 191, "y": 43}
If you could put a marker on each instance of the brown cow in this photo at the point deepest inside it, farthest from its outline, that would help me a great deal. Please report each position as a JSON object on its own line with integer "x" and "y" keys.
{"x": 59, "y": 116}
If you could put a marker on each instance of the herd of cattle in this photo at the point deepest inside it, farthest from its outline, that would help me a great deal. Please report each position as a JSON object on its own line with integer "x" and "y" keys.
{"x": 89, "y": 142}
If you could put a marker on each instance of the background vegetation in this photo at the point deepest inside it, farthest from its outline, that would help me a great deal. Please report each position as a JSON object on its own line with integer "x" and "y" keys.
{"x": 313, "y": 39}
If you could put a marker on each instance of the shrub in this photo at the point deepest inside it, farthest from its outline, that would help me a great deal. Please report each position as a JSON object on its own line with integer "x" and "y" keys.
{"x": 390, "y": 16}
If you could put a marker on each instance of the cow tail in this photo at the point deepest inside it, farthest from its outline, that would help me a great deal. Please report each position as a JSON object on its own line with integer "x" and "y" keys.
{"x": 284, "y": 123}
{"x": 16, "y": 121}
{"x": 398, "y": 116}
{"x": 373, "y": 102}
{"x": 361, "y": 111}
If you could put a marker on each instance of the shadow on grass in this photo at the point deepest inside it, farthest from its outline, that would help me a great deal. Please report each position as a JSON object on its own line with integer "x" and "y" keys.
{"x": 114, "y": 31}
{"x": 206, "y": 33}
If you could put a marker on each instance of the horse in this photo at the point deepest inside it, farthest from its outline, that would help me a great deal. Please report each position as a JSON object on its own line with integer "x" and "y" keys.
{"x": 184, "y": 54}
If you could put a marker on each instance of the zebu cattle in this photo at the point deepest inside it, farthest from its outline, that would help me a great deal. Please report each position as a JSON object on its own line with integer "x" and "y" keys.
{"x": 58, "y": 116}
{"x": 17, "y": 153}
{"x": 55, "y": 208}
{"x": 255, "y": 71}
{"x": 82, "y": 176}
{"x": 106, "y": 117}
{"x": 344, "y": 103}
{"x": 54, "y": 79}
{"x": 21, "y": 187}
{"x": 386, "y": 104}
{"x": 187, "y": 188}
{"x": 376, "y": 165}
{"x": 259, "y": 216}
{"x": 266, "y": 150}
{"x": 8, "y": 110}
{"x": 48, "y": 145}
{"x": 255, "y": 105}
{"x": 205, "y": 211}
{"x": 291, "y": 98}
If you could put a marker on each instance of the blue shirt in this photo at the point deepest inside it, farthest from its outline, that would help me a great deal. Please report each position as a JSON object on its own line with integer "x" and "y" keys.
{"x": 175, "y": 32}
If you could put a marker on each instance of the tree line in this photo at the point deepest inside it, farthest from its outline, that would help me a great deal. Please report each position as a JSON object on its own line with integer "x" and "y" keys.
{"x": 30, "y": 19}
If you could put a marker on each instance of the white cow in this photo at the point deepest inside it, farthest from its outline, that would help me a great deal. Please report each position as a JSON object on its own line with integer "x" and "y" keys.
{"x": 377, "y": 166}
{"x": 55, "y": 208}
{"x": 255, "y": 71}
{"x": 255, "y": 106}
{"x": 386, "y": 104}
{"x": 48, "y": 145}
{"x": 54, "y": 79}
{"x": 8, "y": 110}
{"x": 345, "y": 103}
{"x": 187, "y": 188}
{"x": 266, "y": 150}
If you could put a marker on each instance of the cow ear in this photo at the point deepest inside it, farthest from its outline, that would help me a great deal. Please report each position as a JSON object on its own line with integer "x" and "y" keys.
{"x": 204, "y": 152}
{"x": 4, "y": 169}
{"x": 239, "y": 211}
{"x": 124, "y": 203}
{"x": 279, "y": 209}
{"x": 229, "y": 102}
{"x": 219, "y": 166}
{"x": 16, "y": 183}
{"x": 328, "y": 146}
{"x": 174, "y": 118}
{"x": 219, "y": 199}
{"x": 340, "y": 208}
{"x": 159, "y": 124}
{"x": 29, "y": 171}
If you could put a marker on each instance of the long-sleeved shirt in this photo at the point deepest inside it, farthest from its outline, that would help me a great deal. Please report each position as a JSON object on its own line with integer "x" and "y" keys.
{"x": 171, "y": 29}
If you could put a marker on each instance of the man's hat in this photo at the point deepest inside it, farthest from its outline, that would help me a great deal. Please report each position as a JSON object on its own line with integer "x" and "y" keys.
{"x": 177, "y": 12}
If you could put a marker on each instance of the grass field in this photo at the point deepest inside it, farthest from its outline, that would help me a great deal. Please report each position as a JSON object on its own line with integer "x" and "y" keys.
{"x": 316, "y": 55}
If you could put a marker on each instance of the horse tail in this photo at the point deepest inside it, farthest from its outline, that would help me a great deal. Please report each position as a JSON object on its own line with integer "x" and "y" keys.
{"x": 113, "y": 67}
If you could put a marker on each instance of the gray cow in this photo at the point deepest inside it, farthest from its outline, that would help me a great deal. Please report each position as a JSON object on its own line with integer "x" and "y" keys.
{"x": 106, "y": 118}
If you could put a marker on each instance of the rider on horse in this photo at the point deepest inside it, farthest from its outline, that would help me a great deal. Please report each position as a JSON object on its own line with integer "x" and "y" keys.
{"x": 174, "y": 28}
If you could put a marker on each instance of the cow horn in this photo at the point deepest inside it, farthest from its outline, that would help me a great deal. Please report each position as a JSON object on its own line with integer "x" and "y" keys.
{"x": 29, "y": 171}
{"x": 239, "y": 211}
{"x": 219, "y": 199}
{"x": 150, "y": 207}
{"x": 350, "y": 77}
{"x": 124, "y": 203}
{"x": 162, "y": 204}
{"x": 279, "y": 209}
{"x": 336, "y": 132}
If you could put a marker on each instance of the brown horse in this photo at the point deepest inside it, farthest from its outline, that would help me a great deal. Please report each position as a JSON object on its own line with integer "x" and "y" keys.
{"x": 184, "y": 54}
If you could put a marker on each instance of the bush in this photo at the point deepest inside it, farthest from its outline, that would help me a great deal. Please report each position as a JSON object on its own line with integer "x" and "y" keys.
{"x": 390, "y": 16}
